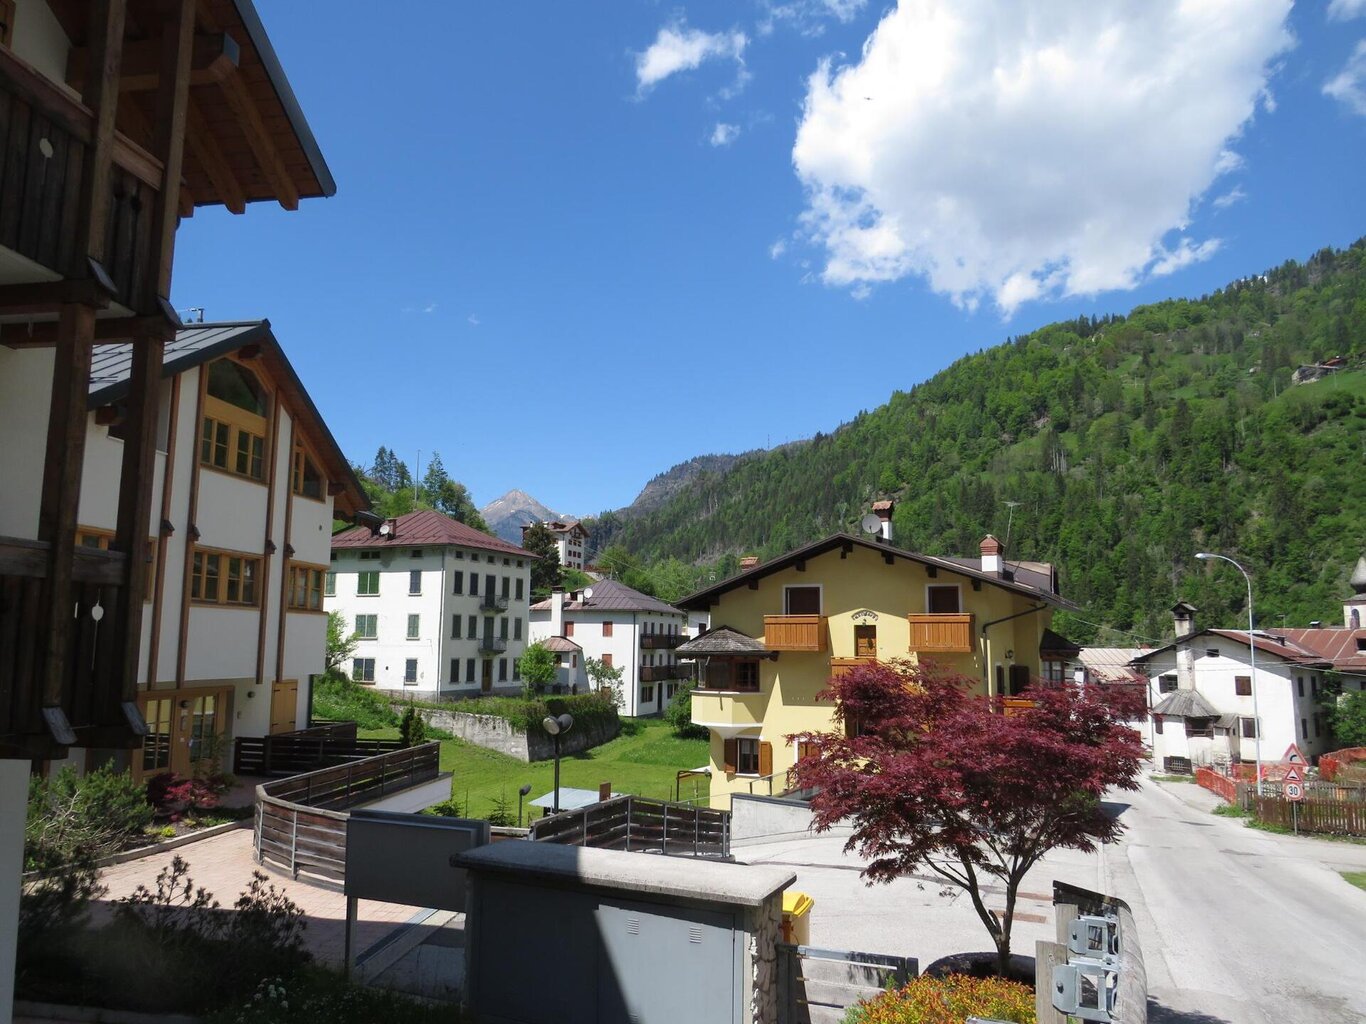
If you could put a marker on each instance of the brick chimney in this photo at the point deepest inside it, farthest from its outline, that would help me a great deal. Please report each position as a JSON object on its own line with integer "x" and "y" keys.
{"x": 883, "y": 510}
{"x": 748, "y": 562}
{"x": 557, "y": 611}
{"x": 991, "y": 554}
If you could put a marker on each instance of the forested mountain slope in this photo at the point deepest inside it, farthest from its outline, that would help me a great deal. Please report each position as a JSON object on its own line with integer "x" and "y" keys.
{"x": 1129, "y": 443}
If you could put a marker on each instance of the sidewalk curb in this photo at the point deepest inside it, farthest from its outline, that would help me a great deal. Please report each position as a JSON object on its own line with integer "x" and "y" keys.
{"x": 96, "y": 1014}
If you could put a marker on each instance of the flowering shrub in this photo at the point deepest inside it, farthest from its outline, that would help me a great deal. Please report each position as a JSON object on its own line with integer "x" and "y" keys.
{"x": 174, "y": 797}
{"x": 322, "y": 997}
{"x": 949, "y": 1000}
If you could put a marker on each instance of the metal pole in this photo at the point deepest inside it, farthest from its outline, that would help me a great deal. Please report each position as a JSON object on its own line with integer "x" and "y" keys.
{"x": 1252, "y": 661}
{"x": 557, "y": 773}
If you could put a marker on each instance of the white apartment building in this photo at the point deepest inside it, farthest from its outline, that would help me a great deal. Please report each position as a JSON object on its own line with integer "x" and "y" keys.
{"x": 247, "y": 480}
{"x": 571, "y": 540}
{"x": 623, "y": 628}
{"x": 439, "y": 608}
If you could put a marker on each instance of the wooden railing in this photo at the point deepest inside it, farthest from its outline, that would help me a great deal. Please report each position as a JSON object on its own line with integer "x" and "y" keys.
{"x": 301, "y": 820}
{"x": 795, "y": 632}
{"x": 1335, "y": 817}
{"x": 304, "y": 750}
{"x": 638, "y": 825}
{"x": 91, "y": 689}
{"x": 41, "y": 176}
{"x": 659, "y": 673}
{"x": 660, "y": 641}
{"x": 941, "y": 633}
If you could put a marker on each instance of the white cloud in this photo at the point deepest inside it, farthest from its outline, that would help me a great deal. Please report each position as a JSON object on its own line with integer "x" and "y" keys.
{"x": 472, "y": 320}
{"x": 1015, "y": 152}
{"x": 1345, "y": 10}
{"x": 724, "y": 134}
{"x": 1349, "y": 85}
{"x": 807, "y": 16}
{"x": 679, "y": 48}
{"x": 1233, "y": 195}
{"x": 429, "y": 307}
{"x": 776, "y": 250}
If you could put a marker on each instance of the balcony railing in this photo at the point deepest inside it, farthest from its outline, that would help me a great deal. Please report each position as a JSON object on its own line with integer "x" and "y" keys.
{"x": 795, "y": 632}
{"x": 942, "y": 633}
{"x": 91, "y": 692}
{"x": 493, "y": 603}
{"x": 728, "y": 707}
{"x": 492, "y": 645}
{"x": 40, "y": 182}
{"x": 839, "y": 666}
{"x": 660, "y": 641}
{"x": 660, "y": 673}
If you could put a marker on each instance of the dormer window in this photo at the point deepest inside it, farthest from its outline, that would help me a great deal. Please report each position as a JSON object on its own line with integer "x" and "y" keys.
{"x": 233, "y": 434}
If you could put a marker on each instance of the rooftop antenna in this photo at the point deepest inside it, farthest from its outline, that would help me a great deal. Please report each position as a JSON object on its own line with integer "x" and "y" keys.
{"x": 1010, "y": 519}
{"x": 196, "y": 315}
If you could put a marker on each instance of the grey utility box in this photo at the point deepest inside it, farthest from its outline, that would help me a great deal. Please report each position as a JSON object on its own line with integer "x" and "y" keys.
{"x": 557, "y": 934}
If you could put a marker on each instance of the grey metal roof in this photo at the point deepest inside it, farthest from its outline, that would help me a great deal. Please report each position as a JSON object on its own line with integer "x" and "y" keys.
{"x": 721, "y": 641}
{"x": 570, "y": 799}
{"x": 611, "y": 596}
{"x": 112, "y": 365}
{"x": 1186, "y": 704}
{"x": 560, "y": 645}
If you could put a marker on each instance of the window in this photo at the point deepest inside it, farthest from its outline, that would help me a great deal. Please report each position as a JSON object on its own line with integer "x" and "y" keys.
{"x": 363, "y": 670}
{"x": 516, "y": 669}
{"x": 747, "y": 757}
{"x": 367, "y": 584}
{"x": 306, "y": 588}
{"x": 1166, "y": 684}
{"x": 516, "y": 629}
{"x": 519, "y": 586}
{"x": 606, "y": 629}
{"x": 156, "y": 747}
{"x": 455, "y": 627}
{"x": 233, "y": 433}
{"x": 1248, "y": 728}
{"x": 92, "y": 537}
{"x": 367, "y": 627}
{"x": 1299, "y": 685}
{"x": 569, "y": 629}
{"x": 1200, "y": 727}
{"x": 414, "y": 627}
{"x": 1157, "y": 724}
{"x": 1314, "y": 685}
{"x": 455, "y": 671}
{"x": 747, "y": 675}
{"x": 503, "y": 627}
{"x": 369, "y": 556}
{"x": 222, "y": 577}
{"x": 607, "y": 660}
{"x": 1304, "y": 728}
{"x": 330, "y": 584}
{"x": 458, "y": 583}
{"x": 469, "y": 671}
{"x": 502, "y": 670}
{"x": 305, "y": 479}
{"x": 801, "y": 600}
{"x": 507, "y": 586}
{"x": 1211, "y": 652}
{"x": 415, "y": 553}
{"x": 1318, "y": 724}
{"x": 943, "y": 600}
{"x": 647, "y": 694}
{"x": 414, "y": 583}
{"x": 1054, "y": 671}
{"x": 460, "y": 554}
{"x": 474, "y": 584}
{"x": 410, "y": 671}
{"x": 1242, "y": 686}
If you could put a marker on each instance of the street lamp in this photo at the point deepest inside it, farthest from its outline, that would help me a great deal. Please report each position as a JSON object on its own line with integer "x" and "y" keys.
{"x": 556, "y": 726}
{"x": 521, "y": 795}
{"x": 1206, "y": 556}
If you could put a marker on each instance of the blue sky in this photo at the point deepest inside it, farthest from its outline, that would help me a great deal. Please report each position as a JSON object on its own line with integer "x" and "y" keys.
{"x": 574, "y": 244}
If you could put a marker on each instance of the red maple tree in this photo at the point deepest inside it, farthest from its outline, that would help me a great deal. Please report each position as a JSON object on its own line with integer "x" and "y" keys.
{"x": 933, "y": 777}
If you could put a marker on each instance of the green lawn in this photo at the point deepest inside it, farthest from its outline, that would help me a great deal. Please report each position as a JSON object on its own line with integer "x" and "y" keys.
{"x": 643, "y": 760}
{"x": 1357, "y": 878}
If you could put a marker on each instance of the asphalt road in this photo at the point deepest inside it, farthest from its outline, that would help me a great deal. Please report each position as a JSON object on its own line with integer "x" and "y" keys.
{"x": 1237, "y": 926}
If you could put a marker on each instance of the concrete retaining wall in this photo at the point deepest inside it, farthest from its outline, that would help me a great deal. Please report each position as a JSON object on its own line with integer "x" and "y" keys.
{"x": 498, "y": 734}
{"x": 763, "y": 819}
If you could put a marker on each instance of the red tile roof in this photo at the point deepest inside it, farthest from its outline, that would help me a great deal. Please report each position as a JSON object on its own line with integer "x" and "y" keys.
{"x": 1339, "y": 645}
{"x": 426, "y": 527}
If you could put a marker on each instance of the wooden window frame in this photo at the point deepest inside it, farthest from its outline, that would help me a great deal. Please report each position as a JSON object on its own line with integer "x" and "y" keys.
{"x": 330, "y": 584}
{"x": 308, "y": 583}
{"x": 200, "y": 557}
{"x": 360, "y": 635}
{"x": 360, "y": 576}
{"x": 943, "y": 586}
{"x": 239, "y": 424}
{"x": 105, "y": 537}
{"x": 606, "y": 629}
{"x": 743, "y": 757}
{"x": 819, "y": 588}
{"x": 301, "y": 456}
{"x": 1164, "y": 680}
{"x": 1242, "y": 686}
{"x": 1244, "y": 724}
{"x": 647, "y": 693}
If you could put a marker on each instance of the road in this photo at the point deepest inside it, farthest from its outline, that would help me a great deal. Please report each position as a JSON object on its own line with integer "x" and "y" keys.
{"x": 1237, "y": 926}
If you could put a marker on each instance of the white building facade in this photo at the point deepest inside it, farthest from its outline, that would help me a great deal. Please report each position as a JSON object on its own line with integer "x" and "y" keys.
{"x": 615, "y": 624}
{"x": 439, "y": 609}
{"x": 247, "y": 480}
{"x": 571, "y": 541}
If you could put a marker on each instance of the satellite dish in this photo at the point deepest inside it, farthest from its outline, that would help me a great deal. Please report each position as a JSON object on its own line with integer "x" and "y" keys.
{"x": 385, "y": 530}
{"x": 588, "y": 594}
{"x": 871, "y": 524}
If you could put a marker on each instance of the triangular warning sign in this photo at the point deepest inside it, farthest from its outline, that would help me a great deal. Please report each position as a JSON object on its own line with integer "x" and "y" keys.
{"x": 1293, "y": 755}
{"x": 1292, "y": 774}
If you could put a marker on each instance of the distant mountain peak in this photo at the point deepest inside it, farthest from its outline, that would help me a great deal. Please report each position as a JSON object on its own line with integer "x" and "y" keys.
{"x": 507, "y": 515}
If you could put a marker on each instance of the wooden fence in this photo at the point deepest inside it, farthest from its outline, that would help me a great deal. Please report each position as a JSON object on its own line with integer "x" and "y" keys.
{"x": 301, "y": 820}
{"x": 304, "y": 750}
{"x": 640, "y": 825}
{"x": 817, "y": 986}
{"x": 1336, "y": 817}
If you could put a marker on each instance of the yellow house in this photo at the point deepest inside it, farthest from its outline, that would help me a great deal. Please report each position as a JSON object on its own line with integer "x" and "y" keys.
{"x": 784, "y": 627}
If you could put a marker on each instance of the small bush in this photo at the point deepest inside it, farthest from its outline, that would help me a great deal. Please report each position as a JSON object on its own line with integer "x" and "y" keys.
{"x": 501, "y": 816}
{"x": 93, "y": 814}
{"x": 679, "y": 714}
{"x": 949, "y": 1000}
{"x": 337, "y": 698}
{"x": 412, "y": 730}
{"x": 320, "y": 996}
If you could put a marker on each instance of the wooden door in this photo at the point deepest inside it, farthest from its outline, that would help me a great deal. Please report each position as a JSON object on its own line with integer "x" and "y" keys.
{"x": 865, "y": 641}
{"x": 284, "y": 706}
{"x": 1019, "y": 679}
{"x": 486, "y": 681}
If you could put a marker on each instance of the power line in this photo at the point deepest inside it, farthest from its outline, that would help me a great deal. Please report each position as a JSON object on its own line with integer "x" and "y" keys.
{"x": 1121, "y": 632}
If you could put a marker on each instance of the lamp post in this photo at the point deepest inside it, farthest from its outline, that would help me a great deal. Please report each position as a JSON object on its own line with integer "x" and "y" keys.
{"x": 521, "y": 795}
{"x": 557, "y": 725}
{"x": 1206, "y": 556}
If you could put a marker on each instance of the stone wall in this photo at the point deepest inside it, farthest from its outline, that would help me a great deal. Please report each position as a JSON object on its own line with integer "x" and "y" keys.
{"x": 764, "y": 925}
{"x": 495, "y": 733}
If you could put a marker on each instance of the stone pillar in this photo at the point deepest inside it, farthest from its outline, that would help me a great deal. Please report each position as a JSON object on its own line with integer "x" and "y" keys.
{"x": 764, "y": 924}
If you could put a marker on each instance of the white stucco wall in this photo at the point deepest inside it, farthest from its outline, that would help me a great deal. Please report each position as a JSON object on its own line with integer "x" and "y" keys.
{"x": 39, "y": 39}
{"x": 25, "y": 394}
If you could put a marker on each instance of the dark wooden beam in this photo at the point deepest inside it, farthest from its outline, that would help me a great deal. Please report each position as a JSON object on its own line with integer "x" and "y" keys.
{"x": 204, "y": 148}
{"x": 932, "y": 571}
{"x": 258, "y": 138}
{"x": 100, "y": 93}
{"x": 51, "y": 296}
{"x": 214, "y": 57}
{"x": 108, "y": 331}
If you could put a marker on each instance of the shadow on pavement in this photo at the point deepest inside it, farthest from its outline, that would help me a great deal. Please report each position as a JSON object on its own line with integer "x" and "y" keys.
{"x": 1113, "y": 808}
{"x": 1159, "y": 1014}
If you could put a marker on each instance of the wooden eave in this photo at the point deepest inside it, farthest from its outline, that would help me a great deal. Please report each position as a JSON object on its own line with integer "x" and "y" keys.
{"x": 247, "y": 139}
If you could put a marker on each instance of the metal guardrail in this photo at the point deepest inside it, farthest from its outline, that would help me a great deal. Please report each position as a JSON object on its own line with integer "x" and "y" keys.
{"x": 301, "y": 820}
{"x": 492, "y": 645}
{"x": 493, "y": 603}
{"x": 640, "y": 825}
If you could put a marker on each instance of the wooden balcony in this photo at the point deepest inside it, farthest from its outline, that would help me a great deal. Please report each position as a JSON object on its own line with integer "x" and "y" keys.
{"x": 795, "y": 632}
{"x": 660, "y": 641}
{"x": 839, "y": 666}
{"x": 90, "y": 699}
{"x": 661, "y": 673}
{"x": 942, "y": 634}
{"x": 41, "y": 176}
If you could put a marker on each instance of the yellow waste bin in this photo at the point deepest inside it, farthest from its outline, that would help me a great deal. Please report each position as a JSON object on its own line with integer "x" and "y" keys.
{"x": 797, "y": 917}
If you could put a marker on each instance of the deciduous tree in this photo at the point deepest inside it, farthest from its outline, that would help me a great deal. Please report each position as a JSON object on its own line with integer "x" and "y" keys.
{"x": 545, "y": 570}
{"x": 934, "y": 779}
